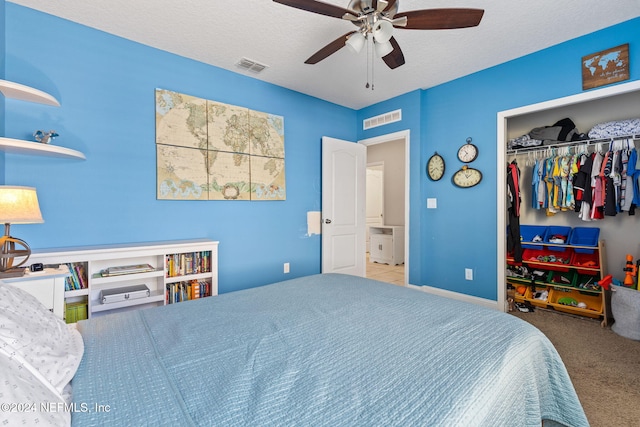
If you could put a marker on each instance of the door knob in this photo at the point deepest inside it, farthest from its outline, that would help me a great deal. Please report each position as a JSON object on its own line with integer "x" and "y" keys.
{"x": 327, "y": 221}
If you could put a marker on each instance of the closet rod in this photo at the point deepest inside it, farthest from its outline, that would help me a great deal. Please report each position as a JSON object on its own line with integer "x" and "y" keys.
{"x": 583, "y": 143}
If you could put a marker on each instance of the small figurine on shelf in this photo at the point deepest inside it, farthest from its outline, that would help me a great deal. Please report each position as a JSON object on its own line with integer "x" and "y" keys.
{"x": 44, "y": 136}
{"x": 630, "y": 270}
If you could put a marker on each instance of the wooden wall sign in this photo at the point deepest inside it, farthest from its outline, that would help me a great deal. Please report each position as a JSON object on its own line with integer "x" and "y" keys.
{"x": 605, "y": 67}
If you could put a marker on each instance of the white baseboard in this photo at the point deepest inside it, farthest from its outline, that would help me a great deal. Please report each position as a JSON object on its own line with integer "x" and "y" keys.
{"x": 460, "y": 297}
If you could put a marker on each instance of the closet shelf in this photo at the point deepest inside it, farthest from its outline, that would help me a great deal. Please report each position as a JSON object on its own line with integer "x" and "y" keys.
{"x": 18, "y": 146}
{"x": 26, "y": 93}
{"x": 583, "y": 143}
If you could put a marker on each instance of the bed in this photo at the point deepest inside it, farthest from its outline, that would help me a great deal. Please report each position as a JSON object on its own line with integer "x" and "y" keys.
{"x": 322, "y": 350}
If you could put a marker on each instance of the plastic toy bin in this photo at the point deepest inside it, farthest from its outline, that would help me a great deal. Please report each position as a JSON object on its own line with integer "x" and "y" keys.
{"x": 528, "y": 232}
{"x": 557, "y": 230}
{"x": 585, "y": 236}
{"x": 567, "y": 278}
{"x": 592, "y": 300}
{"x": 548, "y": 260}
{"x": 587, "y": 281}
{"x": 531, "y": 297}
{"x": 589, "y": 261}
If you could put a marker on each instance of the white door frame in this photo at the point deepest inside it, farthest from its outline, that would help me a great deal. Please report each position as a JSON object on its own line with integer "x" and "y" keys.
{"x": 405, "y": 135}
{"x": 501, "y": 214}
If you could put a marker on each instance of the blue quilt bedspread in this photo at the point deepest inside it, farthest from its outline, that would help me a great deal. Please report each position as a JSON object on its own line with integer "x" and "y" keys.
{"x": 323, "y": 350}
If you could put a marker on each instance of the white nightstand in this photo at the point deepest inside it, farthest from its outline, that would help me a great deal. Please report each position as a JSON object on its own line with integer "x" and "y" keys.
{"x": 47, "y": 286}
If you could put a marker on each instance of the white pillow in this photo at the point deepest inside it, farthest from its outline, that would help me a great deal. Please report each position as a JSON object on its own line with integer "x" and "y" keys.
{"x": 26, "y": 399}
{"x": 39, "y": 338}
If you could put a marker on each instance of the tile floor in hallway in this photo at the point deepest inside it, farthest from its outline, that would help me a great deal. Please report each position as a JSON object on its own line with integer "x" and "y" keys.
{"x": 385, "y": 273}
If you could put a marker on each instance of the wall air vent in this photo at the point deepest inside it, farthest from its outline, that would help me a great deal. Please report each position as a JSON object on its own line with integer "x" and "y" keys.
{"x": 382, "y": 119}
{"x": 251, "y": 65}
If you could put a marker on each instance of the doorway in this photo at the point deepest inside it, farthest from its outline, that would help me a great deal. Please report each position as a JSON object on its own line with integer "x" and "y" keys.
{"x": 374, "y": 196}
{"x": 390, "y": 155}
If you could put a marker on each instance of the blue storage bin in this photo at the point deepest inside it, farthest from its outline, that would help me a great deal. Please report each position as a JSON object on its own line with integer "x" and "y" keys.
{"x": 528, "y": 232}
{"x": 585, "y": 236}
{"x": 557, "y": 230}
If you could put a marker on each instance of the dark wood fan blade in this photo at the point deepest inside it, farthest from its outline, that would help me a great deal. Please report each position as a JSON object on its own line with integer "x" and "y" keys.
{"x": 318, "y": 7}
{"x": 441, "y": 19}
{"x": 329, "y": 49}
{"x": 395, "y": 58}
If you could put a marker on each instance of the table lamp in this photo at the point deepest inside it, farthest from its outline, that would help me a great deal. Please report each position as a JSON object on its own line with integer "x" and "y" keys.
{"x": 18, "y": 205}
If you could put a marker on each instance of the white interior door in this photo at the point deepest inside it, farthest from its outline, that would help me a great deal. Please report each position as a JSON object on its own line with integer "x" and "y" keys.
{"x": 344, "y": 166}
{"x": 375, "y": 197}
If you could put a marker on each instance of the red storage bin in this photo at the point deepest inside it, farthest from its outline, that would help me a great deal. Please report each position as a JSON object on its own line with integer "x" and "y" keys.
{"x": 548, "y": 260}
{"x": 591, "y": 262}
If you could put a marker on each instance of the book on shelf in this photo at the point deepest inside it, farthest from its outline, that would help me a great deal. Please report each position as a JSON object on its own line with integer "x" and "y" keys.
{"x": 126, "y": 269}
{"x": 77, "y": 278}
{"x": 187, "y": 291}
{"x": 183, "y": 264}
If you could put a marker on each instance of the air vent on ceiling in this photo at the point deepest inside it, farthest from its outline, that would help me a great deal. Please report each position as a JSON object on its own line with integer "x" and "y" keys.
{"x": 251, "y": 65}
{"x": 382, "y": 119}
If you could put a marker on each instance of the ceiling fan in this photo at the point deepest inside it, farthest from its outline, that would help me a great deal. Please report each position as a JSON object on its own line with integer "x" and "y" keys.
{"x": 376, "y": 20}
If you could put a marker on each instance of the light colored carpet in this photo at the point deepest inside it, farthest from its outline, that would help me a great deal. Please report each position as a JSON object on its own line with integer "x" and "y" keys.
{"x": 604, "y": 366}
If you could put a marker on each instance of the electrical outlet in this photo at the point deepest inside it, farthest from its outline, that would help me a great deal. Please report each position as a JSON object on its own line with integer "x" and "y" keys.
{"x": 468, "y": 274}
{"x": 286, "y": 267}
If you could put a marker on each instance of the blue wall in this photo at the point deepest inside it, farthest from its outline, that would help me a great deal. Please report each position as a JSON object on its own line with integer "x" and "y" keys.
{"x": 105, "y": 85}
{"x": 461, "y": 233}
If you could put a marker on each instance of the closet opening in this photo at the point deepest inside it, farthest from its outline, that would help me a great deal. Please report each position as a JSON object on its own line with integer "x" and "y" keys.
{"x": 620, "y": 233}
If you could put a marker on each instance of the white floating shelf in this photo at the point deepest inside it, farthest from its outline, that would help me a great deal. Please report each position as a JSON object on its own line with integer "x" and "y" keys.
{"x": 26, "y": 93}
{"x": 18, "y": 146}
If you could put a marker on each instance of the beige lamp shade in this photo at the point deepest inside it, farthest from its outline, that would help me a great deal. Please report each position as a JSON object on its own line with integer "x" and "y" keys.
{"x": 19, "y": 205}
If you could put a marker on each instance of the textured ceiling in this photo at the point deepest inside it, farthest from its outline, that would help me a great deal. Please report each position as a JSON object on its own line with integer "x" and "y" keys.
{"x": 220, "y": 32}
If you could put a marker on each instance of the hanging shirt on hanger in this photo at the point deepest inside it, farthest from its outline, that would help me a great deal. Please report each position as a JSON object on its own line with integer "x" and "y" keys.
{"x": 597, "y": 187}
{"x": 513, "y": 188}
{"x": 536, "y": 174}
{"x": 634, "y": 171}
{"x": 626, "y": 184}
{"x": 609, "y": 197}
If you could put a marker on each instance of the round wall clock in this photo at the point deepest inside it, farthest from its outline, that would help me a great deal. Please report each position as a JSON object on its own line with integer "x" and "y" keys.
{"x": 435, "y": 167}
{"x": 467, "y": 177}
{"x": 468, "y": 152}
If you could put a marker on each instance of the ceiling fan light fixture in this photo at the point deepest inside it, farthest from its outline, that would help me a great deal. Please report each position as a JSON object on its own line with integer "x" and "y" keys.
{"x": 382, "y": 31}
{"x": 355, "y": 42}
{"x": 383, "y": 49}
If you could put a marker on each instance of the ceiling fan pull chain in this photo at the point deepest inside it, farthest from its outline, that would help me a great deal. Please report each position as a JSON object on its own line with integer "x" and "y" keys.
{"x": 373, "y": 67}
{"x": 367, "y": 85}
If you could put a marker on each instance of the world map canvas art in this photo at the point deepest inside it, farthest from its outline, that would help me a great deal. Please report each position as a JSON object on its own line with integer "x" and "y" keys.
{"x": 207, "y": 150}
{"x": 605, "y": 67}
